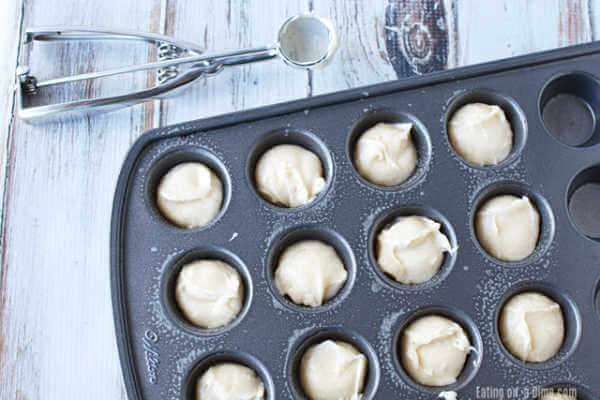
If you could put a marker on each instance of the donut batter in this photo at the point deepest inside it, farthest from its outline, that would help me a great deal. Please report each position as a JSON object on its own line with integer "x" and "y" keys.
{"x": 310, "y": 272}
{"x": 289, "y": 175}
{"x": 508, "y": 227}
{"x": 411, "y": 250}
{"x": 480, "y": 134}
{"x": 532, "y": 327}
{"x": 556, "y": 396}
{"x": 385, "y": 154}
{"x": 230, "y": 381}
{"x": 209, "y": 293}
{"x": 434, "y": 350}
{"x": 333, "y": 370}
{"x": 190, "y": 195}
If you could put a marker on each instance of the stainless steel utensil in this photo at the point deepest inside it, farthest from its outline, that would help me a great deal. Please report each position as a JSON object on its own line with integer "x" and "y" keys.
{"x": 303, "y": 41}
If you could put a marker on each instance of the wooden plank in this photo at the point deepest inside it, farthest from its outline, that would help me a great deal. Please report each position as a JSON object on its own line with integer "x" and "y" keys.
{"x": 574, "y": 24}
{"x": 420, "y": 36}
{"x": 227, "y": 25}
{"x": 505, "y": 28}
{"x": 362, "y": 58}
{"x": 594, "y": 16}
{"x": 10, "y": 20}
{"x": 56, "y": 318}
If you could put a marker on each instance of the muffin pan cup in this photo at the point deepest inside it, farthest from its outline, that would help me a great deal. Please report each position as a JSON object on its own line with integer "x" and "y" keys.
{"x": 162, "y": 357}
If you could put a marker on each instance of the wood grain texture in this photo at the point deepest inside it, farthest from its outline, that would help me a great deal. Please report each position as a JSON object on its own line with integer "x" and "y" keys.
{"x": 574, "y": 24}
{"x": 419, "y": 37}
{"x": 505, "y": 28}
{"x": 512, "y": 27}
{"x": 10, "y": 19}
{"x": 362, "y": 59}
{"x": 594, "y": 15}
{"x": 228, "y": 25}
{"x": 56, "y": 330}
{"x": 56, "y": 322}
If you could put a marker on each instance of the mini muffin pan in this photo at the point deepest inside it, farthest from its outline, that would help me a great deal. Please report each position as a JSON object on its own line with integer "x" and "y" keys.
{"x": 552, "y": 100}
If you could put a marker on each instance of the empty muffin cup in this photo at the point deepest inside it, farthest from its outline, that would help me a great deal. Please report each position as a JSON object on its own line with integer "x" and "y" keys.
{"x": 583, "y": 201}
{"x": 569, "y": 106}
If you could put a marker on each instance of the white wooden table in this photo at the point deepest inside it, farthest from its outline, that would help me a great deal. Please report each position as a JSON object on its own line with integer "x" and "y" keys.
{"x": 57, "y": 180}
